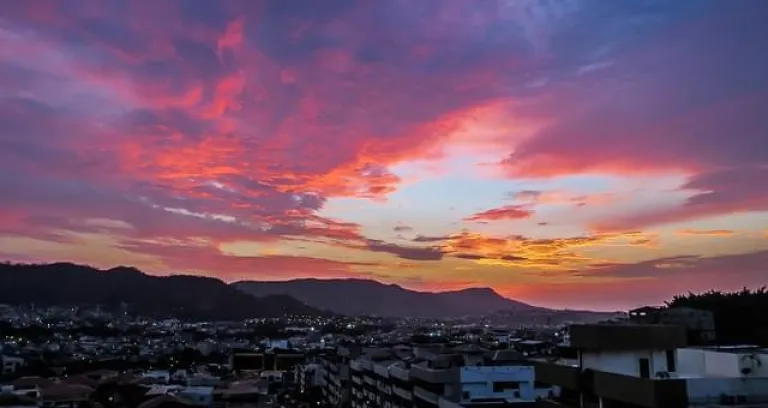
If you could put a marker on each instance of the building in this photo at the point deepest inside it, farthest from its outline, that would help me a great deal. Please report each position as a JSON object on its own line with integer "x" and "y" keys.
{"x": 247, "y": 361}
{"x": 466, "y": 376}
{"x": 272, "y": 359}
{"x": 335, "y": 380}
{"x": 64, "y": 395}
{"x": 308, "y": 376}
{"x": 10, "y": 364}
{"x": 635, "y": 365}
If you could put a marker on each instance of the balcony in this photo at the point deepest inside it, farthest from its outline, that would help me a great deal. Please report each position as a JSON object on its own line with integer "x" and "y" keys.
{"x": 383, "y": 388}
{"x": 435, "y": 376}
{"x": 365, "y": 364}
{"x": 561, "y": 375}
{"x": 381, "y": 370}
{"x": 667, "y": 393}
{"x": 402, "y": 393}
{"x": 400, "y": 373}
{"x": 425, "y": 395}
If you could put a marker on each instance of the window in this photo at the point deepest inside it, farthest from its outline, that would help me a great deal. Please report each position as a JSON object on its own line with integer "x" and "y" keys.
{"x": 671, "y": 361}
{"x": 645, "y": 368}
{"x": 502, "y": 386}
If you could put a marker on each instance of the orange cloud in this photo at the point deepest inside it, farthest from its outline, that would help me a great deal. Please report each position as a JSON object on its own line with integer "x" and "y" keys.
{"x": 553, "y": 253}
{"x": 711, "y": 233}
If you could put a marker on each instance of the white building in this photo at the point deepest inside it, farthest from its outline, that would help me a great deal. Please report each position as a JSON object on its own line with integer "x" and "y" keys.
{"x": 650, "y": 366}
{"x": 737, "y": 374}
{"x": 512, "y": 383}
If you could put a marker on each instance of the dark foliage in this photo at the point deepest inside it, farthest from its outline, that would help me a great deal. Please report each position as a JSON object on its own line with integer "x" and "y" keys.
{"x": 187, "y": 297}
{"x": 740, "y": 317}
{"x": 120, "y": 395}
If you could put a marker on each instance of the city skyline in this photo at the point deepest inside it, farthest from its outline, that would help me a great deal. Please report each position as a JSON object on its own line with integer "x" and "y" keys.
{"x": 582, "y": 154}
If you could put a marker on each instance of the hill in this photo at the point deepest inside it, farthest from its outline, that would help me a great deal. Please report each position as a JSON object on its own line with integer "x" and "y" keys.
{"x": 191, "y": 297}
{"x": 368, "y": 297}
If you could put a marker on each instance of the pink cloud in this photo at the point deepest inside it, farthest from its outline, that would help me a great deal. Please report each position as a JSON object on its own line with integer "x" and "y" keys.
{"x": 507, "y": 212}
{"x": 239, "y": 120}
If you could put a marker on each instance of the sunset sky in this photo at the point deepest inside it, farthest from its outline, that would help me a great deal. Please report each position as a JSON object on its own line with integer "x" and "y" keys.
{"x": 595, "y": 154}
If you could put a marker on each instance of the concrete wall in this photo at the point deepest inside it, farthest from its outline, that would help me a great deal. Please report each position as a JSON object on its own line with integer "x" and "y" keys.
{"x": 709, "y": 390}
{"x": 478, "y": 382}
{"x": 714, "y": 363}
{"x": 625, "y": 362}
{"x": 722, "y": 364}
{"x": 691, "y": 361}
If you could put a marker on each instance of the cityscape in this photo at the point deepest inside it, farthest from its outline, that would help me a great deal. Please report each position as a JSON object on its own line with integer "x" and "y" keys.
{"x": 383, "y": 204}
{"x": 698, "y": 350}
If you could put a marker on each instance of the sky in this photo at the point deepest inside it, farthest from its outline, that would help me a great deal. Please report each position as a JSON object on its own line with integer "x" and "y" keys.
{"x": 567, "y": 153}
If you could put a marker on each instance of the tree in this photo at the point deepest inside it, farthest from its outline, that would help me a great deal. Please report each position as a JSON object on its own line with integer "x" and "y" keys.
{"x": 741, "y": 317}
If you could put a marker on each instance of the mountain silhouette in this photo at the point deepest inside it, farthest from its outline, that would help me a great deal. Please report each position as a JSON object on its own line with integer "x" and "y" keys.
{"x": 183, "y": 296}
{"x": 369, "y": 297}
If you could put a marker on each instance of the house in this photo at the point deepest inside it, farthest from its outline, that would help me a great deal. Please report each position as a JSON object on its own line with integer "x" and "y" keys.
{"x": 64, "y": 395}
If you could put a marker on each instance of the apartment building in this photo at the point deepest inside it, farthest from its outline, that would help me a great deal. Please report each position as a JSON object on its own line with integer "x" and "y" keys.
{"x": 635, "y": 365}
{"x": 335, "y": 380}
{"x": 404, "y": 377}
{"x": 370, "y": 380}
{"x": 308, "y": 376}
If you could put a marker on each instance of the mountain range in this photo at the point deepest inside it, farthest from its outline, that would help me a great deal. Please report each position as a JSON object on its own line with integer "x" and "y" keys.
{"x": 192, "y": 297}
{"x": 356, "y": 297}
{"x": 204, "y": 298}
